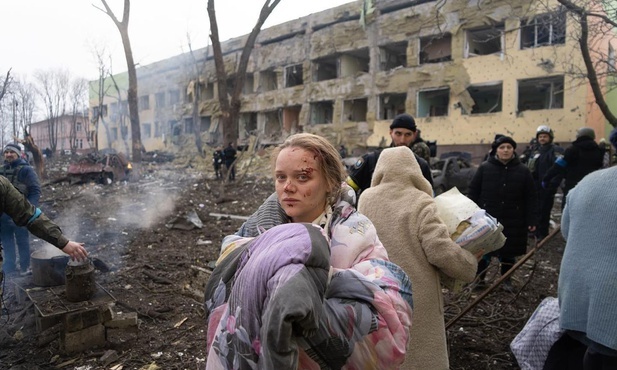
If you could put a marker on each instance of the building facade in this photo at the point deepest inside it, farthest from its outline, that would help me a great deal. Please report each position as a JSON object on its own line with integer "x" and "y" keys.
{"x": 466, "y": 72}
{"x": 71, "y": 133}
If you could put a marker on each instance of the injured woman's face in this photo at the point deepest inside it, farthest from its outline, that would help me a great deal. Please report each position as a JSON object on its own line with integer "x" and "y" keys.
{"x": 300, "y": 184}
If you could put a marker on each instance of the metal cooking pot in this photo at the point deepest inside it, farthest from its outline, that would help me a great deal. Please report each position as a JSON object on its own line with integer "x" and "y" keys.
{"x": 48, "y": 269}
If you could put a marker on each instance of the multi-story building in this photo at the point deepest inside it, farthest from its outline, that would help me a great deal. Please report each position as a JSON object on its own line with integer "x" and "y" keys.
{"x": 68, "y": 129}
{"x": 465, "y": 70}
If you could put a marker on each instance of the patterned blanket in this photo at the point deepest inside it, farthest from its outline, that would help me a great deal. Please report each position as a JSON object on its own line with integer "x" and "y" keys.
{"x": 275, "y": 302}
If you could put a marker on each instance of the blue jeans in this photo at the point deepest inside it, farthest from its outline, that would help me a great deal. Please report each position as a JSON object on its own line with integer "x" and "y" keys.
{"x": 9, "y": 234}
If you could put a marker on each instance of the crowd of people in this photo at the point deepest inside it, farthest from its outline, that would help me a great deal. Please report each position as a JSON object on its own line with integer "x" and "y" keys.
{"x": 256, "y": 320}
{"x": 359, "y": 283}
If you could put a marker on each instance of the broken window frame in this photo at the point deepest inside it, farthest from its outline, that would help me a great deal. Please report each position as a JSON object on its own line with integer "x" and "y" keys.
{"x": 268, "y": 80}
{"x": 293, "y": 75}
{"x": 426, "y": 43}
{"x": 353, "y": 62}
{"x": 392, "y": 57}
{"x": 248, "y": 126}
{"x": 352, "y": 114}
{"x": 543, "y": 30}
{"x": 441, "y": 110}
{"x": 326, "y": 68}
{"x": 552, "y": 98}
{"x": 388, "y": 114}
{"x": 492, "y": 92}
{"x": 327, "y": 106}
{"x": 205, "y": 122}
{"x": 482, "y": 40}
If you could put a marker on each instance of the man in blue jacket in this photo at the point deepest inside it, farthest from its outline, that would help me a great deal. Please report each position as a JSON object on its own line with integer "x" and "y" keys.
{"x": 23, "y": 177}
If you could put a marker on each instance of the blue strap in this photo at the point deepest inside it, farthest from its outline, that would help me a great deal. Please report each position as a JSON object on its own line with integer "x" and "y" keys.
{"x": 561, "y": 162}
{"x": 36, "y": 215}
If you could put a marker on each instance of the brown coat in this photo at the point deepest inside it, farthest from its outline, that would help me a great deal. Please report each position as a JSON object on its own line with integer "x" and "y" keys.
{"x": 401, "y": 206}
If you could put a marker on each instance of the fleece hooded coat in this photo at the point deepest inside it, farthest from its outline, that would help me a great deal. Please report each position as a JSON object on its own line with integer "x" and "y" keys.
{"x": 401, "y": 206}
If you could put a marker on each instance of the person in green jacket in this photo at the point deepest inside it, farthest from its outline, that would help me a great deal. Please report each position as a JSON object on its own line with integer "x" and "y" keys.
{"x": 14, "y": 204}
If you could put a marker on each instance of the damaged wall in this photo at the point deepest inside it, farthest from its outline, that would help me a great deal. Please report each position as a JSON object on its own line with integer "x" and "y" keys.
{"x": 341, "y": 34}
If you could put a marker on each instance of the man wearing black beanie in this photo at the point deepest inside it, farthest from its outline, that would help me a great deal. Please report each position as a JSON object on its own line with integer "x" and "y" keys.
{"x": 403, "y": 131}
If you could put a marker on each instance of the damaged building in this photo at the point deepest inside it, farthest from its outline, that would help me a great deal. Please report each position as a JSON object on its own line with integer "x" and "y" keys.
{"x": 465, "y": 69}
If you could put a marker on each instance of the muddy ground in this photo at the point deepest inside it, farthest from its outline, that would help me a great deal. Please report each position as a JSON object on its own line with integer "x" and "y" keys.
{"x": 145, "y": 232}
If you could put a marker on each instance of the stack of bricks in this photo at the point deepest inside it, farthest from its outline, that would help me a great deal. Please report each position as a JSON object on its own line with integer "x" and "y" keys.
{"x": 86, "y": 329}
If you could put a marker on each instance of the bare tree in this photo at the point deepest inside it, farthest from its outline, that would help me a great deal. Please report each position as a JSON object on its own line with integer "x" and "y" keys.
{"x": 230, "y": 105}
{"x": 595, "y": 24}
{"x": 101, "y": 89}
{"x": 78, "y": 99}
{"x": 26, "y": 96}
{"x": 123, "y": 28}
{"x": 53, "y": 87}
{"x": 5, "y": 84}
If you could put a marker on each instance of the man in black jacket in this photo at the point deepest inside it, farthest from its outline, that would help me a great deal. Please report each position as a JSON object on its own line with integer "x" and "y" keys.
{"x": 579, "y": 160}
{"x": 403, "y": 131}
{"x": 540, "y": 159}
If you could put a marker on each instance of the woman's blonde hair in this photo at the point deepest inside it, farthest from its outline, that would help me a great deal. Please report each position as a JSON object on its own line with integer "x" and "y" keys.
{"x": 326, "y": 155}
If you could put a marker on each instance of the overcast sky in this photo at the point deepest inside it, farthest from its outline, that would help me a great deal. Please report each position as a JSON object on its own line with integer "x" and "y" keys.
{"x": 44, "y": 34}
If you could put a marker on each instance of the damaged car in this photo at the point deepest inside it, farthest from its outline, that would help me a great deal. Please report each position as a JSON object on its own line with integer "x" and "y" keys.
{"x": 453, "y": 169}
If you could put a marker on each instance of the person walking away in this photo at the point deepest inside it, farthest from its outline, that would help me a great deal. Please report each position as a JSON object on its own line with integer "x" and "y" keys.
{"x": 401, "y": 205}
{"x": 503, "y": 186}
{"x": 230, "y": 157}
{"x": 582, "y": 158}
{"x": 217, "y": 162}
{"x": 586, "y": 288}
{"x": 403, "y": 132}
{"x": 539, "y": 162}
{"x": 15, "y": 238}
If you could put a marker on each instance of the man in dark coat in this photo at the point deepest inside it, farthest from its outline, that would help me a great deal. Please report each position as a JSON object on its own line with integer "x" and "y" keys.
{"x": 230, "y": 157}
{"x": 579, "y": 160}
{"x": 540, "y": 160}
{"x": 403, "y": 131}
{"x": 503, "y": 186}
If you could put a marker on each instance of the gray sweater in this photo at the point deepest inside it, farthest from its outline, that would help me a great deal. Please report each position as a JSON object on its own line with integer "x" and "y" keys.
{"x": 588, "y": 276}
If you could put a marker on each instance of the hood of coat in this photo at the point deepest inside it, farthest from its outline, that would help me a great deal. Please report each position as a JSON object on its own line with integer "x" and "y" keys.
{"x": 399, "y": 165}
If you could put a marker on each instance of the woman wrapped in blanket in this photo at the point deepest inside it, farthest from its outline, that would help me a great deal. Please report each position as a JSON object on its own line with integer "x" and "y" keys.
{"x": 306, "y": 283}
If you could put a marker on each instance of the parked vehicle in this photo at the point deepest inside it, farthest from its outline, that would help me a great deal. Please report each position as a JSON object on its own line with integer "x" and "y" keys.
{"x": 453, "y": 169}
{"x": 102, "y": 168}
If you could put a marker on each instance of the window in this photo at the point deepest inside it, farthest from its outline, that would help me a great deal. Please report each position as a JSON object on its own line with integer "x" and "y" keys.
{"x": 545, "y": 29}
{"x": 355, "y": 110}
{"x": 293, "y": 75}
{"x": 248, "y": 124}
{"x": 249, "y": 84}
{"x": 174, "y": 96}
{"x": 205, "y": 123}
{"x": 188, "y": 125}
{"x": 436, "y": 49}
{"x": 103, "y": 110}
{"x": 487, "y": 98}
{"x": 267, "y": 80}
{"x": 160, "y": 99}
{"x": 113, "y": 108}
{"x": 392, "y": 56}
{"x": 433, "y": 103}
{"x": 144, "y": 102}
{"x": 354, "y": 62}
{"x": 391, "y": 105}
{"x": 114, "y": 134}
{"x": 540, "y": 93}
{"x": 484, "y": 41}
{"x": 322, "y": 112}
{"x": 146, "y": 130}
{"x": 325, "y": 69}
{"x": 78, "y": 127}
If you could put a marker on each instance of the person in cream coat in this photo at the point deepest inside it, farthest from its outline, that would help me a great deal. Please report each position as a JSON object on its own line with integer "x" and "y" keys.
{"x": 401, "y": 206}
